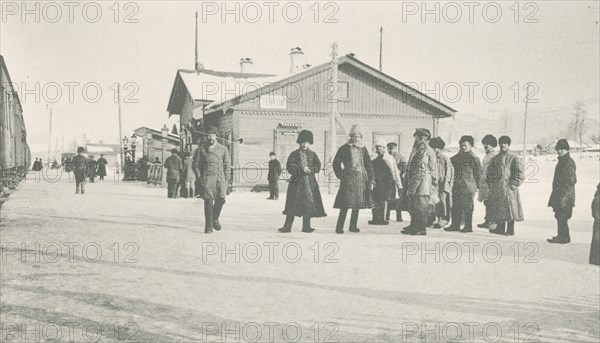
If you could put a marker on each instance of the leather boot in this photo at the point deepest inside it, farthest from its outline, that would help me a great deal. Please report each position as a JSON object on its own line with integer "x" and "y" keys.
{"x": 500, "y": 229}
{"x": 468, "y": 222}
{"x": 455, "y": 225}
{"x": 306, "y": 225}
{"x": 208, "y": 215}
{"x": 510, "y": 228}
{"x": 339, "y": 227}
{"x": 354, "y": 221}
{"x": 217, "y": 213}
{"x": 287, "y": 227}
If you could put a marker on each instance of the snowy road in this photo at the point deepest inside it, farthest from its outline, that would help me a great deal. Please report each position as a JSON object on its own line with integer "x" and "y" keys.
{"x": 125, "y": 263}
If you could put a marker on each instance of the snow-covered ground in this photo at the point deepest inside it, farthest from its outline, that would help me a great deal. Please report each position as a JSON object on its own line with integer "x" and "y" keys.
{"x": 124, "y": 262}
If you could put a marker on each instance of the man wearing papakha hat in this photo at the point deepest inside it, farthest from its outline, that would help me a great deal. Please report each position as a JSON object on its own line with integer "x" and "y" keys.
{"x": 489, "y": 144}
{"x": 303, "y": 195}
{"x": 212, "y": 165}
{"x": 467, "y": 178}
{"x": 505, "y": 174}
{"x": 562, "y": 199}
{"x": 174, "y": 165}
{"x": 421, "y": 178}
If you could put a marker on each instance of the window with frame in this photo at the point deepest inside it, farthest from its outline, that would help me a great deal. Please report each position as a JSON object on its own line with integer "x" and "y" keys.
{"x": 343, "y": 90}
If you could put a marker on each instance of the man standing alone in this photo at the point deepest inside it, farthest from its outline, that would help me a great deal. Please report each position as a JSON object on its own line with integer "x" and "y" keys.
{"x": 174, "y": 166}
{"x": 212, "y": 165}
{"x": 273, "y": 177}
{"x": 102, "y": 162}
{"x": 562, "y": 199}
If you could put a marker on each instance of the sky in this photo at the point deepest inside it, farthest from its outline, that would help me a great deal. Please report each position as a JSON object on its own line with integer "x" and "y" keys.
{"x": 476, "y": 57}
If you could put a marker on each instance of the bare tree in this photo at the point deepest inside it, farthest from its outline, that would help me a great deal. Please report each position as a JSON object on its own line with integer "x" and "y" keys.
{"x": 577, "y": 126}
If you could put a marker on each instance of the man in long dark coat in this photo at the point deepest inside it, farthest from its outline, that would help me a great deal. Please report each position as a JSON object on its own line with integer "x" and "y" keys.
{"x": 92, "y": 165}
{"x": 174, "y": 165}
{"x": 467, "y": 177}
{"x": 273, "y": 176}
{"x": 421, "y": 178}
{"x": 80, "y": 169}
{"x": 397, "y": 205}
{"x": 352, "y": 165}
{"x": 595, "y": 246}
{"x": 212, "y": 165}
{"x": 102, "y": 167}
{"x": 387, "y": 183}
{"x": 505, "y": 175}
{"x": 562, "y": 199}
{"x": 303, "y": 195}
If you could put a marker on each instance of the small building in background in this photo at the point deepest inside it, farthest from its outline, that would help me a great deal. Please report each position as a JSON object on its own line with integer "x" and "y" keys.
{"x": 151, "y": 143}
{"x": 111, "y": 152}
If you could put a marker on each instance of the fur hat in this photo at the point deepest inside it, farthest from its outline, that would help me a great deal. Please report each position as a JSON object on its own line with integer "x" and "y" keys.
{"x": 562, "y": 144}
{"x": 355, "y": 130}
{"x": 174, "y": 151}
{"x": 489, "y": 140}
{"x": 422, "y": 132}
{"x": 305, "y": 136}
{"x": 211, "y": 130}
{"x": 504, "y": 140}
{"x": 272, "y": 153}
{"x": 437, "y": 143}
{"x": 467, "y": 139}
{"x": 79, "y": 150}
{"x": 392, "y": 144}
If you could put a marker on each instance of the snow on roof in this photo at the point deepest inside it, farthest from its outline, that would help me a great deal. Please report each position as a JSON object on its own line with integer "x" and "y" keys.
{"x": 96, "y": 148}
{"x": 218, "y": 87}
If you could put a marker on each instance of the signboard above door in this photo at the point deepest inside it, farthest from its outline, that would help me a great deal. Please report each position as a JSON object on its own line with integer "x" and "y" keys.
{"x": 274, "y": 102}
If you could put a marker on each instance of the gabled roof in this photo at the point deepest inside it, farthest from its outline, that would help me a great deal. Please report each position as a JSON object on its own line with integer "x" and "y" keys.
{"x": 222, "y": 90}
{"x": 210, "y": 85}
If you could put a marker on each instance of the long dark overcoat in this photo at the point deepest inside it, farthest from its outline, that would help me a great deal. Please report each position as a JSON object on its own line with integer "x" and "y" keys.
{"x": 174, "y": 165}
{"x": 274, "y": 170}
{"x": 92, "y": 164}
{"x": 303, "y": 195}
{"x": 385, "y": 185}
{"x": 353, "y": 166}
{"x": 504, "y": 176}
{"x": 80, "y": 168}
{"x": 102, "y": 166}
{"x": 563, "y": 184}
{"x": 212, "y": 166}
{"x": 595, "y": 246}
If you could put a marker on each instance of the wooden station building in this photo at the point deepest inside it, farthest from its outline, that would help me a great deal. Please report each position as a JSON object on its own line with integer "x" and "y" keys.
{"x": 259, "y": 113}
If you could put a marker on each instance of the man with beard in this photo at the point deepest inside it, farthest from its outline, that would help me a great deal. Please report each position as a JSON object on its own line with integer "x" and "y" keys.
{"x": 504, "y": 176}
{"x": 212, "y": 165}
{"x": 562, "y": 199}
{"x": 467, "y": 175}
{"x": 420, "y": 180}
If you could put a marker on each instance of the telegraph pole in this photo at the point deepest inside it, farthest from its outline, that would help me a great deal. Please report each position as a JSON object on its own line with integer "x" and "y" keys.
{"x": 49, "y": 134}
{"x": 120, "y": 128}
{"x": 525, "y": 125}
{"x": 381, "y": 49}
{"x": 334, "y": 114}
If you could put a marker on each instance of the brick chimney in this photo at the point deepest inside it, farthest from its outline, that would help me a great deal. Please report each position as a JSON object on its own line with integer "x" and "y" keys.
{"x": 246, "y": 65}
{"x": 296, "y": 60}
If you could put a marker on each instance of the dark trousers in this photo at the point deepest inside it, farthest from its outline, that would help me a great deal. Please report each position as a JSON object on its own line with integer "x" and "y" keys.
{"x": 380, "y": 210}
{"x": 562, "y": 216}
{"x": 172, "y": 186}
{"x": 488, "y": 208}
{"x": 273, "y": 190}
{"x": 507, "y": 227}
{"x": 394, "y": 205}
{"x": 212, "y": 212}
{"x": 79, "y": 187}
{"x": 289, "y": 221}
{"x": 419, "y": 212}
{"x": 342, "y": 218}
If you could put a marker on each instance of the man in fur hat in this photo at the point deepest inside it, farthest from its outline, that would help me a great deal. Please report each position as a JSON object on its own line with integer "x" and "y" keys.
{"x": 562, "y": 199}
{"x": 467, "y": 178}
{"x": 489, "y": 144}
{"x": 303, "y": 195}
{"x": 505, "y": 175}
{"x": 80, "y": 169}
{"x": 421, "y": 177}
{"x": 212, "y": 165}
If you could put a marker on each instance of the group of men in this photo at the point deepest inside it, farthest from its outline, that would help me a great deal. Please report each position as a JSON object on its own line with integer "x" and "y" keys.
{"x": 442, "y": 189}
